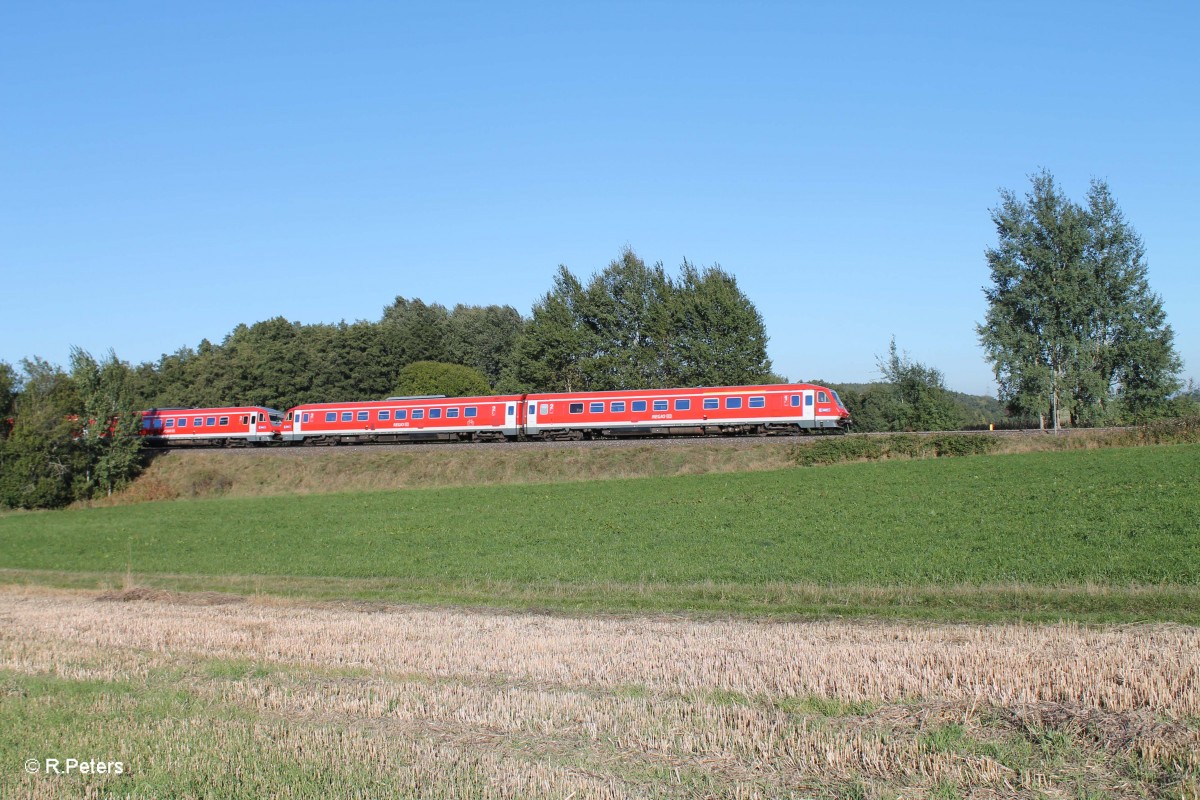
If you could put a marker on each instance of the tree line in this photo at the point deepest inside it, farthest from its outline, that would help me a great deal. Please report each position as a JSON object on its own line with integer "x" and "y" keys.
{"x": 632, "y": 325}
{"x": 1072, "y": 331}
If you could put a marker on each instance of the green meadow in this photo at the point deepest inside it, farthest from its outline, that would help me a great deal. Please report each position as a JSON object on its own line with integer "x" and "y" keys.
{"x": 1095, "y": 535}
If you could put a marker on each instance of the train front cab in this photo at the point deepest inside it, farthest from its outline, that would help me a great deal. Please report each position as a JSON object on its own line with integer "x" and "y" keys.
{"x": 822, "y": 409}
{"x": 815, "y": 408}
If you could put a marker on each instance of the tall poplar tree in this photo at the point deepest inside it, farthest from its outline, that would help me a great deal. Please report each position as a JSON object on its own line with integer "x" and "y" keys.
{"x": 1072, "y": 328}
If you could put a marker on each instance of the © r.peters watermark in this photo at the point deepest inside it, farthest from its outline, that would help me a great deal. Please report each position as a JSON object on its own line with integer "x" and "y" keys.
{"x": 73, "y": 766}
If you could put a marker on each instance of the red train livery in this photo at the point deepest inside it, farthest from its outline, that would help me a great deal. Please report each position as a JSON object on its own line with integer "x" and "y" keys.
{"x": 787, "y": 408}
{"x": 414, "y": 418}
{"x": 708, "y": 411}
{"x": 237, "y": 424}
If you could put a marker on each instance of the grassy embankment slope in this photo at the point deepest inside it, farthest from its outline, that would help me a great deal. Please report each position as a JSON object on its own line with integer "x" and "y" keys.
{"x": 1103, "y": 535}
{"x": 289, "y": 471}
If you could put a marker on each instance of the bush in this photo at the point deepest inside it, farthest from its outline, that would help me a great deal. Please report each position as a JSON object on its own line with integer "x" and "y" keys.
{"x": 1179, "y": 430}
{"x": 834, "y": 451}
{"x": 976, "y": 445}
{"x": 876, "y": 448}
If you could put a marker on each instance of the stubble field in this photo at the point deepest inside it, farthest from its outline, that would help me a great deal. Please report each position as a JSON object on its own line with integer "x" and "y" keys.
{"x": 208, "y": 696}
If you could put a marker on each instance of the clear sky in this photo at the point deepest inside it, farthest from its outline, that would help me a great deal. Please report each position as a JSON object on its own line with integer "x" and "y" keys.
{"x": 169, "y": 170}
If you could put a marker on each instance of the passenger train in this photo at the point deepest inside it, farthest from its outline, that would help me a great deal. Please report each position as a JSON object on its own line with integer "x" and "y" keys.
{"x": 789, "y": 408}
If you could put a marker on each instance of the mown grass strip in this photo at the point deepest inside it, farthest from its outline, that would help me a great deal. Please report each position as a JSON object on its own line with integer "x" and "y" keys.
{"x": 1058, "y": 521}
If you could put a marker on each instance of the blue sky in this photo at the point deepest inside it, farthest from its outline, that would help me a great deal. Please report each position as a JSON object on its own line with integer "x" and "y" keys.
{"x": 170, "y": 170}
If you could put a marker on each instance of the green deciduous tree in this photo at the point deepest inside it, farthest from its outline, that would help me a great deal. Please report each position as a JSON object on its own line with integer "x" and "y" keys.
{"x": 1072, "y": 329}
{"x": 917, "y": 399}
{"x": 433, "y": 377}
{"x": 552, "y": 350}
{"x": 632, "y": 326}
{"x": 109, "y": 409}
{"x": 911, "y": 397}
{"x": 40, "y": 458}
{"x": 719, "y": 336}
{"x": 9, "y": 387}
{"x": 75, "y": 435}
{"x": 484, "y": 338}
{"x": 416, "y": 331}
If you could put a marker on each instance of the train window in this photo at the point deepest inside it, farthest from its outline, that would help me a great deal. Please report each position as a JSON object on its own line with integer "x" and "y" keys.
{"x": 733, "y": 402}
{"x": 471, "y": 411}
{"x": 660, "y": 405}
{"x": 211, "y": 421}
{"x": 331, "y": 416}
{"x": 307, "y": 417}
{"x": 245, "y": 419}
{"x": 576, "y": 408}
{"x": 199, "y": 422}
{"x": 795, "y": 399}
{"x": 183, "y": 422}
{"x": 639, "y": 405}
{"x": 435, "y": 413}
{"x": 543, "y": 408}
{"x": 401, "y": 414}
{"x": 808, "y": 399}
{"x": 158, "y": 423}
{"x": 822, "y": 397}
{"x": 683, "y": 405}
{"x": 712, "y": 402}
{"x": 618, "y": 406}
{"x": 347, "y": 416}
{"x": 418, "y": 413}
{"x": 224, "y": 420}
{"x": 384, "y": 414}
{"x": 363, "y": 416}
{"x": 596, "y": 408}
{"x": 170, "y": 423}
{"x": 758, "y": 402}
{"x": 452, "y": 413}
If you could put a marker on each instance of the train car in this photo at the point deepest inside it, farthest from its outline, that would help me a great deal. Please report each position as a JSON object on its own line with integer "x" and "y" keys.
{"x": 719, "y": 410}
{"x": 425, "y": 418}
{"x": 212, "y": 426}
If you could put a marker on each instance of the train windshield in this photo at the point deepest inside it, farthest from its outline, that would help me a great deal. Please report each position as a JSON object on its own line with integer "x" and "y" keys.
{"x": 837, "y": 399}
{"x": 276, "y": 417}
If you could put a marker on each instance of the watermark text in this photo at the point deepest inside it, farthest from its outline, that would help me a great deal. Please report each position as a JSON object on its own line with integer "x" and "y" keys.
{"x": 73, "y": 766}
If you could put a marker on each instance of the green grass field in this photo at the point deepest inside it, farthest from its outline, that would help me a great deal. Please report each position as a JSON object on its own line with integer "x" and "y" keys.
{"x": 1094, "y": 535}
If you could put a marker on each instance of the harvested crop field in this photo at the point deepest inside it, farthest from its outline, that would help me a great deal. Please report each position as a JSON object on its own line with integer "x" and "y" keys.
{"x": 211, "y": 695}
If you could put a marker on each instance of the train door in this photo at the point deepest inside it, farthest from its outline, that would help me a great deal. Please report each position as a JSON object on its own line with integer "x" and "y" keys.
{"x": 510, "y": 417}
{"x": 803, "y": 407}
{"x": 531, "y": 419}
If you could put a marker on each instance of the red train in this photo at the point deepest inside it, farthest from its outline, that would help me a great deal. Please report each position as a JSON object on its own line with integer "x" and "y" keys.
{"x": 709, "y": 411}
{"x": 207, "y": 426}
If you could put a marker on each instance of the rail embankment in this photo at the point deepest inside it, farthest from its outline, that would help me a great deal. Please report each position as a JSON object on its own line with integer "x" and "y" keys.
{"x": 274, "y": 471}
